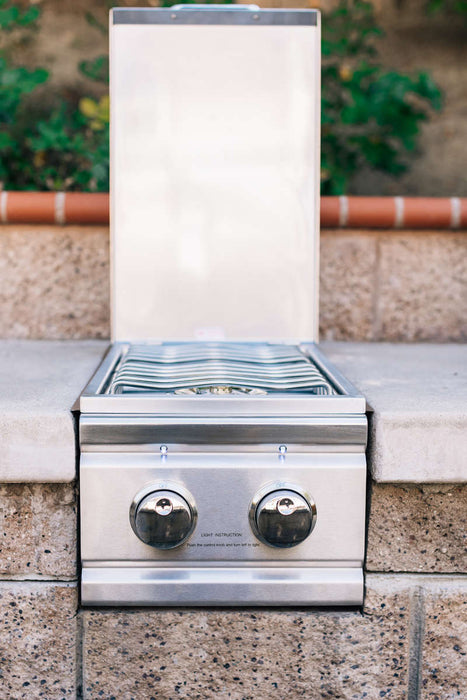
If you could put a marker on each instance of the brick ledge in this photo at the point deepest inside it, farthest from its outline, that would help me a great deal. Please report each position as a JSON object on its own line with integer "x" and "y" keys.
{"x": 443, "y": 213}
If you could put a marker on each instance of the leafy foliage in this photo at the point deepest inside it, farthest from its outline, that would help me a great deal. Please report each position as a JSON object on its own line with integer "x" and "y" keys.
{"x": 63, "y": 151}
{"x": 96, "y": 69}
{"x": 13, "y": 15}
{"x": 63, "y": 148}
{"x": 457, "y": 6}
{"x": 369, "y": 116}
{"x": 15, "y": 83}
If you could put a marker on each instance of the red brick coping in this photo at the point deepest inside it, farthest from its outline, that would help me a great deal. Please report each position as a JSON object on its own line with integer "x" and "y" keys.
{"x": 336, "y": 212}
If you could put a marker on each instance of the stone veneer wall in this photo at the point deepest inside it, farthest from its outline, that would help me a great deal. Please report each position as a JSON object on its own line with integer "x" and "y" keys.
{"x": 408, "y": 641}
{"x": 375, "y": 285}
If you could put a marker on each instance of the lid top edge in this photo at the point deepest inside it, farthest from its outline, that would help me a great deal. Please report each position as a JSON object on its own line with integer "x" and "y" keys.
{"x": 213, "y": 15}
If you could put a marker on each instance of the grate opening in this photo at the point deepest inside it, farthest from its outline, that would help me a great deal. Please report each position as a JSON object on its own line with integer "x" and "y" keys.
{"x": 218, "y": 369}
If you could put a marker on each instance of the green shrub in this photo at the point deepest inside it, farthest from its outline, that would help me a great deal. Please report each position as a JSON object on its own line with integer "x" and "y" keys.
{"x": 63, "y": 148}
{"x": 369, "y": 116}
{"x": 62, "y": 151}
{"x": 455, "y": 6}
{"x": 13, "y": 16}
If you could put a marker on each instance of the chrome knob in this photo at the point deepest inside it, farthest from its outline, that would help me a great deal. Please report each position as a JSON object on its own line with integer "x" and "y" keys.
{"x": 282, "y": 517}
{"x": 163, "y": 518}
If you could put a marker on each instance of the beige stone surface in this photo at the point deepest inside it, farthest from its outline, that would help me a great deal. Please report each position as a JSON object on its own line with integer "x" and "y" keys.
{"x": 422, "y": 288}
{"x": 38, "y": 531}
{"x": 347, "y": 285}
{"x": 54, "y": 282}
{"x": 39, "y": 383}
{"x": 249, "y": 654}
{"x": 416, "y": 392}
{"x": 444, "y": 650}
{"x": 418, "y": 528}
{"x": 38, "y": 633}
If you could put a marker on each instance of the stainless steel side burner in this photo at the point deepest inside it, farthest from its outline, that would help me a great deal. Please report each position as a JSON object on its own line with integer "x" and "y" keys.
{"x": 222, "y": 456}
{"x": 218, "y": 368}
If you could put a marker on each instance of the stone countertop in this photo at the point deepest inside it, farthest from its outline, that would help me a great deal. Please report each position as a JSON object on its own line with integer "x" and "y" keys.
{"x": 418, "y": 394}
{"x": 39, "y": 382}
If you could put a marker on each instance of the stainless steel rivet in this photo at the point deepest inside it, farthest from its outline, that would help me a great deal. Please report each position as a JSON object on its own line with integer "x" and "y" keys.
{"x": 282, "y": 449}
{"x": 164, "y": 449}
{"x": 255, "y": 16}
{"x": 173, "y": 16}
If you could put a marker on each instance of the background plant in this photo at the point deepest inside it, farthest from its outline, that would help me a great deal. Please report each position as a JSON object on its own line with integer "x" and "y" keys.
{"x": 59, "y": 146}
{"x": 454, "y": 6}
{"x": 370, "y": 116}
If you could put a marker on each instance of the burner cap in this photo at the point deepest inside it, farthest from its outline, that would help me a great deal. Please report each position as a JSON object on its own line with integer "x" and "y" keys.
{"x": 220, "y": 390}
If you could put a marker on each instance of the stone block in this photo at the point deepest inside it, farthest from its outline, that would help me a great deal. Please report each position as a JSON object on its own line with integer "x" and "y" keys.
{"x": 402, "y": 286}
{"x": 39, "y": 383}
{"x": 418, "y": 428}
{"x": 418, "y": 528}
{"x": 347, "y": 285}
{"x": 38, "y": 640}
{"x": 38, "y": 530}
{"x": 422, "y": 288}
{"x": 54, "y": 282}
{"x": 250, "y": 654}
{"x": 444, "y": 650}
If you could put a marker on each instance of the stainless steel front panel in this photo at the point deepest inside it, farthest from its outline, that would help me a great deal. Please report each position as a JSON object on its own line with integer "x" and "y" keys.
{"x": 223, "y": 486}
{"x": 215, "y": 175}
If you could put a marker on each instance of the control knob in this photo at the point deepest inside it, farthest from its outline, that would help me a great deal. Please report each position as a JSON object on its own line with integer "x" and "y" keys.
{"x": 282, "y": 517}
{"x": 162, "y": 517}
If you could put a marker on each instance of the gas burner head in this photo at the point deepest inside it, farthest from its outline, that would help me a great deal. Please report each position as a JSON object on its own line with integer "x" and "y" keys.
{"x": 217, "y": 390}
{"x": 221, "y": 369}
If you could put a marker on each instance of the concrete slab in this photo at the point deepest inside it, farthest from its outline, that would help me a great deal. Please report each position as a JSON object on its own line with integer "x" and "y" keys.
{"x": 418, "y": 394}
{"x": 419, "y": 397}
{"x": 39, "y": 381}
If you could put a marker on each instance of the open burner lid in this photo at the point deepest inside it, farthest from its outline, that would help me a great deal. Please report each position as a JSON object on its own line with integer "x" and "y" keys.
{"x": 214, "y": 173}
{"x": 220, "y": 369}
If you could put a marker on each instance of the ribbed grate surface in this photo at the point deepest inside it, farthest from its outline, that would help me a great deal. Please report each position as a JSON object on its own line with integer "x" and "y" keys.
{"x": 218, "y": 368}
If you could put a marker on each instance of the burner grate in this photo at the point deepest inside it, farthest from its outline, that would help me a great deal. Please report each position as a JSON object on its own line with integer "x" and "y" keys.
{"x": 218, "y": 369}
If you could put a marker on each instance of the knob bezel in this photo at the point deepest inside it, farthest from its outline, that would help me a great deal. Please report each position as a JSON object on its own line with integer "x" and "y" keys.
{"x": 177, "y": 489}
{"x": 269, "y": 489}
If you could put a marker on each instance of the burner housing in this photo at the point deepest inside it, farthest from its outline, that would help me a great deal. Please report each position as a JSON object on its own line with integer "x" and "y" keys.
{"x": 222, "y": 456}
